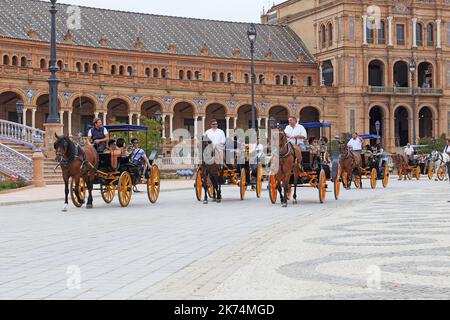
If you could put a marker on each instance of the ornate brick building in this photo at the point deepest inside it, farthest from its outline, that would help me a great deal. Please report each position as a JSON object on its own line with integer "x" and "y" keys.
{"x": 365, "y": 50}
{"x": 123, "y": 66}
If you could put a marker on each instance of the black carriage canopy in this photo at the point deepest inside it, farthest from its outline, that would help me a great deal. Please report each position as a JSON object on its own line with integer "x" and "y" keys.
{"x": 128, "y": 128}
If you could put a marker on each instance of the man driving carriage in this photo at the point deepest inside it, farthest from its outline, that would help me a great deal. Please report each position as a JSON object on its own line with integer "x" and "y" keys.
{"x": 218, "y": 140}
{"x": 98, "y": 135}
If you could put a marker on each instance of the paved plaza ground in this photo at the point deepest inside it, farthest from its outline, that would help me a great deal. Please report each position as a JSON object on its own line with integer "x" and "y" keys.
{"x": 384, "y": 244}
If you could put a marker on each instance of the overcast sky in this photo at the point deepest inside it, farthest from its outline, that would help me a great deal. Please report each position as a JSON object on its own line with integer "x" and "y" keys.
{"x": 230, "y": 10}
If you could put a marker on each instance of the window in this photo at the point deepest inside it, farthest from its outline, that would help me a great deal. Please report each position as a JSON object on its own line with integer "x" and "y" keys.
{"x": 351, "y": 28}
{"x": 197, "y": 75}
{"x": 95, "y": 68}
{"x": 129, "y": 71}
{"x": 330, "y": 35}
{"x": 222, "y": 77}
{"x": 87, "y": 67}
{"x": 155, "y": 73}
{"x": 77, "y": 66}
{"x": 277, "y": 80}
{"x": 246, "y": 78}
{"x": 214, "y": 76}
{"x": 15, "y": 61}
{"x": 381, "y": 33}
{"x": 113, "y": 69}
{"x": 448, "y": 34}
{"x": 147, "y": 72}
{"x": 351, "y": 70}
{"x": 6, "y": 60}
{"x": 43, "y": 64}
{"x": 189, "y": 75}
{"x": 285, "y": 80}
{"x": 261, "y": 79}
{"x": 23, "y": 62}
{"x": 163, "y": 73}
{"x": 181, "y": 75}
{"x": 323, "y": 36}
{"x": 230, "y": 77}
{"x": 352, "y": 121}
{"x": 369, "y": 32}
{"x": 400, "y": 34}
{"x": 293, "y": 81}
{"x": 121, "y": 70}
{"x": 419, "y": 35}
{"x": 430, "y": 35}
{"x": 60, "y": 64}
{"x": 340, "y": 26}
{"x": 309, "y": 81}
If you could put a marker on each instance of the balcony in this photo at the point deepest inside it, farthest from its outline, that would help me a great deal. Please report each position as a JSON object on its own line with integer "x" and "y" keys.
{"x": 406, "y": 91}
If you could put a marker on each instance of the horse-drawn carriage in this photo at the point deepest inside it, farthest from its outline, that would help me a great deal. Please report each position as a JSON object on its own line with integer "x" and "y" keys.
{"x": 407, "y": 168}
{"x": 316, "y": 171}
{"x": 374, "y": 167}
{"x": 437, "y": 163}
{"x": 239, "y": 172}
{"x": 122, "y": 178}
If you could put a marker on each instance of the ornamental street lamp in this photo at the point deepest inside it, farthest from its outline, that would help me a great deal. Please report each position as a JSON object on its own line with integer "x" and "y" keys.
{"x": 53, "y": 81}
{"x": 412, "y": 70}
{"x": 19, "y": 109}
{"x": 251, "y": 34}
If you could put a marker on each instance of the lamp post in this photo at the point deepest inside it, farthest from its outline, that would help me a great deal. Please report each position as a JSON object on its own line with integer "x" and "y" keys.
{"x": 53, "y": 81}
{"x": 19, "y": 109}
{"x": 412, "y": 70}
{"x": 251, "y": 34}
{"x": 378, "y": 128}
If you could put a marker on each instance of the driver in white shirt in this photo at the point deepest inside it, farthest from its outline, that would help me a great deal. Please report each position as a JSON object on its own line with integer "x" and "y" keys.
{"x": 296, "y": 133}
{"x": 218, "y": 139}
{"x": 355, "y": 143}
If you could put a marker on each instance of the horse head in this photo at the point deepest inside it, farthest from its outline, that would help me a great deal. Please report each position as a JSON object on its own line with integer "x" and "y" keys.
{"x": 343, "y": 149}
{"x": 64, "y": 148}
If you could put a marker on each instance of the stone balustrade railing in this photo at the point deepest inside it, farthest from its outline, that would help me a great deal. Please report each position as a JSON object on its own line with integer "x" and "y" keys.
{"x": 175, "y": 163}
{"x": 15, "y": 163}
{"x": 19, "y": 133}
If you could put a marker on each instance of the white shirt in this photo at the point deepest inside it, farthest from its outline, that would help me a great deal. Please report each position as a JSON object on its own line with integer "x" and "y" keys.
{"x": 105, "y": 132}
{"x": 298, "y": 130}
{"x": 259, "y": 148}
{"x": 447, "y": 149}
{"x": 409, "y": 151}
{"x": 216, "y": 136}
{"x": 355, "y": 144}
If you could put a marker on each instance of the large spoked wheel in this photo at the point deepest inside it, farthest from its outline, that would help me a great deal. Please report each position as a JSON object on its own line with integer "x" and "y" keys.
{"x": 125, "y": 189}
{"x": 273, "y": 194}
{"x": 108, "y": 192}
{"x": 373, "y": 178}
{"x": 386, "y": 175}
{"x": 441, "y": 173}
{"x": 431, "y": 171}
{"x": 259, "y": 178}
{"x": 198, "y": 185}
{"x": 243, "y": 183}
{"x": 154, "y": 184}
{"x": 81, "y": 192}
{"x": 210, "y": 188}
{"x": 322, "y": 186}
{"x": 418, "y": 173}
{"x": 337, "y": 183}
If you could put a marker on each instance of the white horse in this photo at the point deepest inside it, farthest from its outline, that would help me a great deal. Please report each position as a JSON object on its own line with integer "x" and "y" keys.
{"x": 441, "y": 160}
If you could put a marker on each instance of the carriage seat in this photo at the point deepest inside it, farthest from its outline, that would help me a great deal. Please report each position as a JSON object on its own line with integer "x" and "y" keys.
{"x": 105, "y": 162}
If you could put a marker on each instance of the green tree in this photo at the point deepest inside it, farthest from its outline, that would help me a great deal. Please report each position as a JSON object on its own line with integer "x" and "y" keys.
{"x": 428, "y": 145}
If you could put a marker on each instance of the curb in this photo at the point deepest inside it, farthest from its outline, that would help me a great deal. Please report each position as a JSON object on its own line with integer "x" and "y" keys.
{"x": 15, "y": 203}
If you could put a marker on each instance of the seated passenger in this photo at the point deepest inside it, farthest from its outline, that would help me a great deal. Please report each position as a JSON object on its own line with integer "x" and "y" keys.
{"x": 314, "y": 151}
{"x": 116, "y": 149}
{"x": 138, "y": 156}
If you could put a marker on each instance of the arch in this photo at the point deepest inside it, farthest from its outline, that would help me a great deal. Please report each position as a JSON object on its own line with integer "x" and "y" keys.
{"x": 121, "y": 70}
{"x": 19, "y": 92}
{"x": 15, "y": 61}
{"x": 23, "y": 62}
{"x": 155, "y": 73}
{"x": 45, "y": 92}
{"x": 181, "y": 75}
{"x": 280, "y": 113}
{"x": 113, "y": 70}
{"x": 95, "y": 68}
{"x": 216, "y": 111}
{"x": 222, "y": 77}
{"x": 402, "y": 115}
{"x": 377, "y": 113}
{"x": 129, "y": 71}
{"x": 197, "y": 75}
{"x": 83, "y": 109}
{"x": 150, "y": 99}
{"x": 183, "y": 116}
{"x": 8, "y": 102}
{"x": 229, "y": 77}
{"x": 163, "y": 73}
{"x": 246, "y": 78}
{"x": 148, "y": 73}
{"x": 285, "y": 80}
{"x": 78, "y": 67}
{"x": 425, "y": 122}
{"x": 5, "y": 60}
{"x": 425, "y": 75}
{"x": 92, "y": 97}
{"x": 261, "y": 79}
{"x": 149, "y": 107}
{"x": 43, "y": 64}
{"x": 376, "y": 73}
{"x": 330, "y": 34}
{"x": 214, "y": 76}
{"x": 244, "y": 116}
{"x": 60, "y": 65}
{"x": 87, "y": 68}
{"x": 187, "y": 101}
{"x": 189, "y": 75}
{"x": 118, "y": 109}
{"x": 277, "y": 80}
{"x": 310, "y": 114}
{"x": 401, "y": 74}
{"x": 323, "y": 36}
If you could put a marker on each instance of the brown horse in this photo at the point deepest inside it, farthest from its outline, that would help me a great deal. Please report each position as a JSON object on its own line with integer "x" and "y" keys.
{"x": 401, "y": 162}
{"x": 350, "y": 163}
{"x": 289, "y": 161}
{"x": 76, "y": 162}
{"x": 211, "y": 170}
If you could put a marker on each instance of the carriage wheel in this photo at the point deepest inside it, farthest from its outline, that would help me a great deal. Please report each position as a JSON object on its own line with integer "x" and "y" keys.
{"x": 108, "y": 192}
{"x": 322, "y": 186}
{"x": 373, "y": 178}
{"x": 358, "y": 182}
{"x": 243, "y": 183}
{"x": 154, "y": 184}
{"x": 125, "y": 188}
{"x": 259, "y": 179}
{"x": 273, "y": 193}
{"x": 210, "y": 188}
{"x": 337, "y": 183}
{"x": 198, "y": 185}
{"x": 386, "y": 176}
{"x": 81, "y": 192}
{"x": 431, "y": 171}
{"x": 441, "y": 173}
{"x": 418, "y": 173}
{"x": 410, "y": 174}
